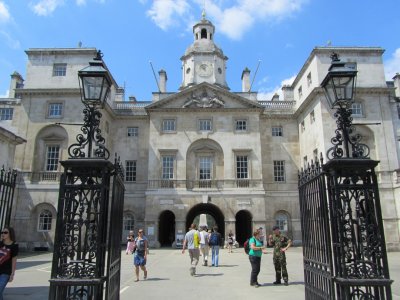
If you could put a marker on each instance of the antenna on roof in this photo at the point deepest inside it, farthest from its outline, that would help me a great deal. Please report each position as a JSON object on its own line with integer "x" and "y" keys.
{"x": 155, "y": 77}
{"x": 255, "y": 73}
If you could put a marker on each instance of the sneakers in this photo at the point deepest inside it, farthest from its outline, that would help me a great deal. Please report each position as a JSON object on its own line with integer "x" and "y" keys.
{"x": 205, "y": 263}
{"x": 277, "y": 282}
{"x": 192, "y": 271}
{"x": 286, "y": 283}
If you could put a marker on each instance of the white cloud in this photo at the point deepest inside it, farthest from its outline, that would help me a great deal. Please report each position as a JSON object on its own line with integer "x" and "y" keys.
{"x": 164, "y": 12}
{"x": 80, "y": 2}
{"x": 267, "y": 93}
{"x": 392, "y": 66}
{"x": 12, "y": 43}
{"x": 233, "y": 21}
{"x": 4, "y": 13}
{"x": 46, "y": 7}
{"x": 6, "y": 94}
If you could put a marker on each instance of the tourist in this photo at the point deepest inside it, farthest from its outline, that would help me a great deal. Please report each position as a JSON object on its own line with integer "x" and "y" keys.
{"x": 204, "y": 248}
{"x": 231, "y": 241}
{"x": 140, "y": 257}
{"x": 192, "y": 242}
{"x": 8, "y": 257}
{"x": 280, "y": 243}
{"x": 130, "y": 243}
{"x": 215, "y": 242}
{"x": 256, "y": 250}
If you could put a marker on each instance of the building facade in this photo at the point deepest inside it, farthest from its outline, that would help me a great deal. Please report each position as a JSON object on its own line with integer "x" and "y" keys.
{"x": 202, "y": 149}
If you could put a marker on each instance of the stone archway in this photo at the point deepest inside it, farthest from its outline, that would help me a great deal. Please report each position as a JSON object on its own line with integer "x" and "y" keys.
{"x": 166, "y": 228}
{"x": 243, "y": 226}
{"x": 208, "y": 209}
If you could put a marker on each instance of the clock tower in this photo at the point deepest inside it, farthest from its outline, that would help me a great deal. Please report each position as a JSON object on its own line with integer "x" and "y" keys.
{"x": 203, "y": 61}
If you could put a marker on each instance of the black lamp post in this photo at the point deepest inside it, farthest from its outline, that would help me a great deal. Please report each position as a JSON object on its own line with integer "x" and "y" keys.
{"x": 339, "y": 86}
{"x": 95, "y": 83}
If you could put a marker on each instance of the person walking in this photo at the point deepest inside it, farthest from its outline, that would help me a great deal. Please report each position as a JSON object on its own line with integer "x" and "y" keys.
{"x": 192, "y": 242}
{"x": 280, "y": 243}
{"x": 215, "y": 242}
{"x": 140, "y": 257}
{"x": 231, "y": 240}
{"x": 8, "y": 257}
{"x": 256, "y": 250}
{"x": 130, "y": 243}
{"x": 204, "y": 248}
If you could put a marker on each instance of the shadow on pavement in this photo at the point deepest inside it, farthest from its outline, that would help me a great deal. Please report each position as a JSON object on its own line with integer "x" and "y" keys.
{"x": 31, "y": 293}
{"x": 202, "y": 275}
{"x": 155, "y": 279}
{"x": 282, "y": 285}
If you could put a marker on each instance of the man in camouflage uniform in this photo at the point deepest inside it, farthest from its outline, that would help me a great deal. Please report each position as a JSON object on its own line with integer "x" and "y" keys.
{"x": 280, "y": 243}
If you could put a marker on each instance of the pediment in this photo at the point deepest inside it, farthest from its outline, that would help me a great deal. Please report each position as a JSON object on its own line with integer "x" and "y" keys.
{"x": 204, "y": 96}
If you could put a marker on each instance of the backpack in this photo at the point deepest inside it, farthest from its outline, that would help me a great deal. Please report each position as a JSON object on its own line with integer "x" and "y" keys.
{"x": 246, "y": 246}
{"x": 214, "y": 239}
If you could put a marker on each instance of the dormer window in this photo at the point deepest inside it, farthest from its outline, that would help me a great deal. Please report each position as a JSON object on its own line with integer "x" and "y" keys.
{"x": 203, "y": 33}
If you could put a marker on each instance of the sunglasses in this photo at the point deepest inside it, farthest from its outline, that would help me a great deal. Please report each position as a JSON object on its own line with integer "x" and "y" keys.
{"x": 140, "y": 232}
{"x": 4, "y": 232}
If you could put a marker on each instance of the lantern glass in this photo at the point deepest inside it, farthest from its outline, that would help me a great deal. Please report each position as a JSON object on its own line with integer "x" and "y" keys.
{"x": 339, "y": 83}
{"x": 95, "y": 89}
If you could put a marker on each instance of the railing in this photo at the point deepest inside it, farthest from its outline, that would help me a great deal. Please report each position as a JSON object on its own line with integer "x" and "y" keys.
{"x": 125, "y": 105}
{"x": 278, "y": 105}
{"x": 41, "y": 176}
{"x": 204, "y": 184}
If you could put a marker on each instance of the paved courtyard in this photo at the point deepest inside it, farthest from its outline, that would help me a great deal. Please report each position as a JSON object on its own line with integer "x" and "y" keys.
{"x": 169, "y": 277}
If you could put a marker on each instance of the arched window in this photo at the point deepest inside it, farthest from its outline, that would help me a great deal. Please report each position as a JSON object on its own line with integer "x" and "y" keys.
{"x": 281, "y": 220}
{"x": 129, "y": 222}
{"x": 203, "y": 33}
{"x": 45, "y": 219}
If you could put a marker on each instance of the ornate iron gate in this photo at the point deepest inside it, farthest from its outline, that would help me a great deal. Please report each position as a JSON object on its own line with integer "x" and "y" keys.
{"x": 87, "y": 226}
{"x": 7, "y": 187}
{"x": 343, "y": 238}
{"x": 317, "y": 253}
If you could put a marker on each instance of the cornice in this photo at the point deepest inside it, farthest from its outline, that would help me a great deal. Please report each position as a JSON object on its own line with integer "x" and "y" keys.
{"x": 52, "y": 91}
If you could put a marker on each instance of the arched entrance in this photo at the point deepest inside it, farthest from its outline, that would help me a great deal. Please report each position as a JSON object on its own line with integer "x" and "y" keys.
{"x": 208, "y": 209}
{"x": 243, "y": 226}
{"x": 166, "y": 228}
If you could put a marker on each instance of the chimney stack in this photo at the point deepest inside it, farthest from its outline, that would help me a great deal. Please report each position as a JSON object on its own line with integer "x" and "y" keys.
{"x": 246, "y": 80}
{"x": 16, "y": 82}
{"x": 163, "y": 81}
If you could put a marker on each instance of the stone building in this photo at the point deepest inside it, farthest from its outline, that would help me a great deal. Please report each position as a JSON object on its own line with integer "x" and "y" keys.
{"x": 202, "y": 149}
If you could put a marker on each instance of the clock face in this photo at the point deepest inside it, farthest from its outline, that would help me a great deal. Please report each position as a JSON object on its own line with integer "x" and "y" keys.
{"x": 205, "y": 69}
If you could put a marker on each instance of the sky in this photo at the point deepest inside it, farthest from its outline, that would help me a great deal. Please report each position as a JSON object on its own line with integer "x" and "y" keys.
{"x": 277, "y": 35}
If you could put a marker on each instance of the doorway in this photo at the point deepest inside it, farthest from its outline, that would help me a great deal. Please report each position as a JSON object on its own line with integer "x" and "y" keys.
{"x": 166, "y": 228}
{"x": 243, "y": 226}
{"x": 213, "y": 214}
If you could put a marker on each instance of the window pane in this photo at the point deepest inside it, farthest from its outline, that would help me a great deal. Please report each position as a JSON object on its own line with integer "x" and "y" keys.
{"x": 129, "y": 222}
{"x": 241, "y": 125}
{"x": 168, "y": 167}
{"x": 130, "y": 170}
{"x": 55, "y": 110}
{"x": 133, "y": 131}
{"x": 282, "y": 221}
{"x": 45, "y": 219}
{"x": 205, "y": 125}
{"x": 205, "y": 165}
{"x": 59, "y": 69}
{"x": 356, "y": 109}
{"x": 169, "y": 125}
{"x": 277, "y": 131}
{"x": 242, "y": 170}
{"x": 279, "y": 170}
{"x": 6, "y": 113}
{"x": 52, "y": 157}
